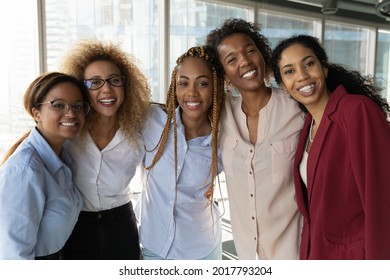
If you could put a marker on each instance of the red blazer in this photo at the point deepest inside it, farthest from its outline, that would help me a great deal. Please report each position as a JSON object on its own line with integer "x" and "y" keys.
{"x": 346, "y": 206}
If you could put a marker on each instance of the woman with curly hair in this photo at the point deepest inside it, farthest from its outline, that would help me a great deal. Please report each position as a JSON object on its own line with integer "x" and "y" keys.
{"x": 343, "y": 157}
{"x": 178, "y": 216}
{"x": 259, "y": 134}
{"x": 108, "y": 151}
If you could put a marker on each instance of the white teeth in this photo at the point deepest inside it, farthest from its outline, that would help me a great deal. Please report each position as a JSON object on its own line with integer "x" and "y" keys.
{"x": 248, "y": 74}
{"x": 306, "y": 88}
{"x": 193, "y": 104}
{"x": 106, "y": 101}
{"x": 68, "y": 124}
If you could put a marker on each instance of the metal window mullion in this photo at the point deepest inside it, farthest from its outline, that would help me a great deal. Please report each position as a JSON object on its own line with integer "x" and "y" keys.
{"x": 164, "y": 43}
{"x": 42, "y": 46}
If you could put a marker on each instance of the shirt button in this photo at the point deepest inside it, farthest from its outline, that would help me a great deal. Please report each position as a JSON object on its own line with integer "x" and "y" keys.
{"x": 251, "y": 151}
{"x": 250, "y": 172}
{"x": 253, "y": 218}
{"x": 99, "y": 216}
{"x": 255, "y": 238}
{"x": 251, "y": 194}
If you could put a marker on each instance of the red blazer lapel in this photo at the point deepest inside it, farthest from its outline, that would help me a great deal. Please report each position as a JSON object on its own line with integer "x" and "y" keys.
{"x": 320, "y": 138}
{"x": 300, "y": 187}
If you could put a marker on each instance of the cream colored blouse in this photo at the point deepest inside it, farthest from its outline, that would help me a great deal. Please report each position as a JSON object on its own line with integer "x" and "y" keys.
{"x": 264, "y": 215}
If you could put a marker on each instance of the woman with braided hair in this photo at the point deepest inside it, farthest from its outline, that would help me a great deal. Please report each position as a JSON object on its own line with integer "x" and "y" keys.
{"x": 178, "y": 218}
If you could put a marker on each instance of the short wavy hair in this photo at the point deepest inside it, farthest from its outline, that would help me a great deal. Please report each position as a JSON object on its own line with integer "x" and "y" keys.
{"x": 137, "y": 98}
{"x": 237, "y": 25}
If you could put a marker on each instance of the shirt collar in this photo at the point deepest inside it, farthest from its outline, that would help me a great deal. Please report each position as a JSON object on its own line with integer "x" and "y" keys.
{"x": 203, "y": 141}
{"x": 46, "y": 153}
{"x": 179, "y": 123}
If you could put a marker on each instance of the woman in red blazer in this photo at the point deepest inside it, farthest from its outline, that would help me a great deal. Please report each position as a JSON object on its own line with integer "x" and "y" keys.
{"x": 342, "y": 163}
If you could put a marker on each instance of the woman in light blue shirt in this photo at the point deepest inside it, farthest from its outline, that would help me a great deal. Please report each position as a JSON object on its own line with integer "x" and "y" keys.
{"x": 178, "y": 218}
{"x": 39, "y": 203}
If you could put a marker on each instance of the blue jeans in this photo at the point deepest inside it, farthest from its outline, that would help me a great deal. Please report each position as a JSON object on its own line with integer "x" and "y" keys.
{"x": 216, "y": 254}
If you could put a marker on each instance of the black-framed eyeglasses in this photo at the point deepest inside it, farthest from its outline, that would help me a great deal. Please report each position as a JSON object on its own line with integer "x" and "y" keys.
{"x": 116, "y": 81}
{"x": 61, "y": 106}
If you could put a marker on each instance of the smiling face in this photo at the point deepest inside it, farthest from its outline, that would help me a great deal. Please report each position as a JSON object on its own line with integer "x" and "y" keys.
{"x": 194, "y": 88}
{"x": 303, "y": 76}
{"x": 54, "y": 125}
{"x": 107, "y": 99}
{"x": 242, "y": 62}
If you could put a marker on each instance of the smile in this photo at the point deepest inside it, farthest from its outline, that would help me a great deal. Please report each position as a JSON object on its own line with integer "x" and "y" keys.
{"x": 107, "y": 101}
{"x": 306, "y": 89}
{"x": 69, "y": 123}
{"x": 192, "y": 104}
{"x": 249, "y": 74}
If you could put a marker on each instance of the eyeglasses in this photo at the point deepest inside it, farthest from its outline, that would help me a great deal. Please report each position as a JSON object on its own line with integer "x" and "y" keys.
{"x": 61, "y": 106}
{"x": 116, "y": 81}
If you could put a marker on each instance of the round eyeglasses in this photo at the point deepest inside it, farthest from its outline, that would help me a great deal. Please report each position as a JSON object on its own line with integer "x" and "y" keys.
{"x": 61, "y": 106}
{"x": 116, "y": 81}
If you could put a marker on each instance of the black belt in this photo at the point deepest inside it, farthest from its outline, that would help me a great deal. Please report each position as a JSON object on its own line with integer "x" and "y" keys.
{"x": 114, "y": 213}
{"x": 56, "y": 256}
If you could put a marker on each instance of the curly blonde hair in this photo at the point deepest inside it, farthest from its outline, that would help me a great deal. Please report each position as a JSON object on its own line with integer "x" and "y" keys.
{"x": 214, "y": 111}
{"x": 137, "y": 98}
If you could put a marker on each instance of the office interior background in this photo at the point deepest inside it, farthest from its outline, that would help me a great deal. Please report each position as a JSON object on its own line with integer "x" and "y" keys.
{"x": 36, "y": 33}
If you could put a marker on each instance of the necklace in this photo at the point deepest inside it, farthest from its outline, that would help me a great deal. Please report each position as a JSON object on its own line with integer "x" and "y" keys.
{"x": 310, "y": 131}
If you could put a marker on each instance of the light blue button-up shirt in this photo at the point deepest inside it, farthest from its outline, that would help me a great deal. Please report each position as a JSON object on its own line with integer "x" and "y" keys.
{"x": 175, "y": 221}
{"x": 39, "y": 204}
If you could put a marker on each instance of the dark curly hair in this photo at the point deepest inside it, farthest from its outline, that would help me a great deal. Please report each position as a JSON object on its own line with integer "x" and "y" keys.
{"x": 237, "y": 25}
{"x": 352, "y": 80}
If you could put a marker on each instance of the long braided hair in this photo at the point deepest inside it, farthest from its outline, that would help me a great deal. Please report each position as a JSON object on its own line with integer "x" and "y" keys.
{"x": 213, "y": 114}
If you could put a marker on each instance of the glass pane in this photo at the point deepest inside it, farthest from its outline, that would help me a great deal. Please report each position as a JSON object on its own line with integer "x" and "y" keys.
{"x": 279, "y": 26}
{"x": 347, "y": 45}
{"x": 382, "y": 73}
{"x": 18, "y": 68}
{"x": 131, "y": 23}
{"x": 192, "y": 20}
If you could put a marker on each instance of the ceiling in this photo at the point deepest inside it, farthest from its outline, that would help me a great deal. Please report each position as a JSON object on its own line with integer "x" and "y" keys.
{"x": 355, "y": 9}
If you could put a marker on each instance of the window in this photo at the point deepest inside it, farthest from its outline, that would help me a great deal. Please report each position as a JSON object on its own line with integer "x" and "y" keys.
{"x": 341, "y": 39}
{"x": 382, "y": 63}
{"x": 18, "y": 68}
{"x": 106, "y": 12}
{"x": 70, "y": 20}
{"x": 278, "y": 26}
{"x": 192, "y": 20}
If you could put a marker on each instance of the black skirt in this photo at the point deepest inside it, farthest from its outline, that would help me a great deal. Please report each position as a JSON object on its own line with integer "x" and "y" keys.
{"x": 105, "y": 235}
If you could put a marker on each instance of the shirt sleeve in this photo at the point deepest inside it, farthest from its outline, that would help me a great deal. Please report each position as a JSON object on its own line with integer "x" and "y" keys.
{"x": 369, "y": 144}
{"x": 22, "y": 204}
